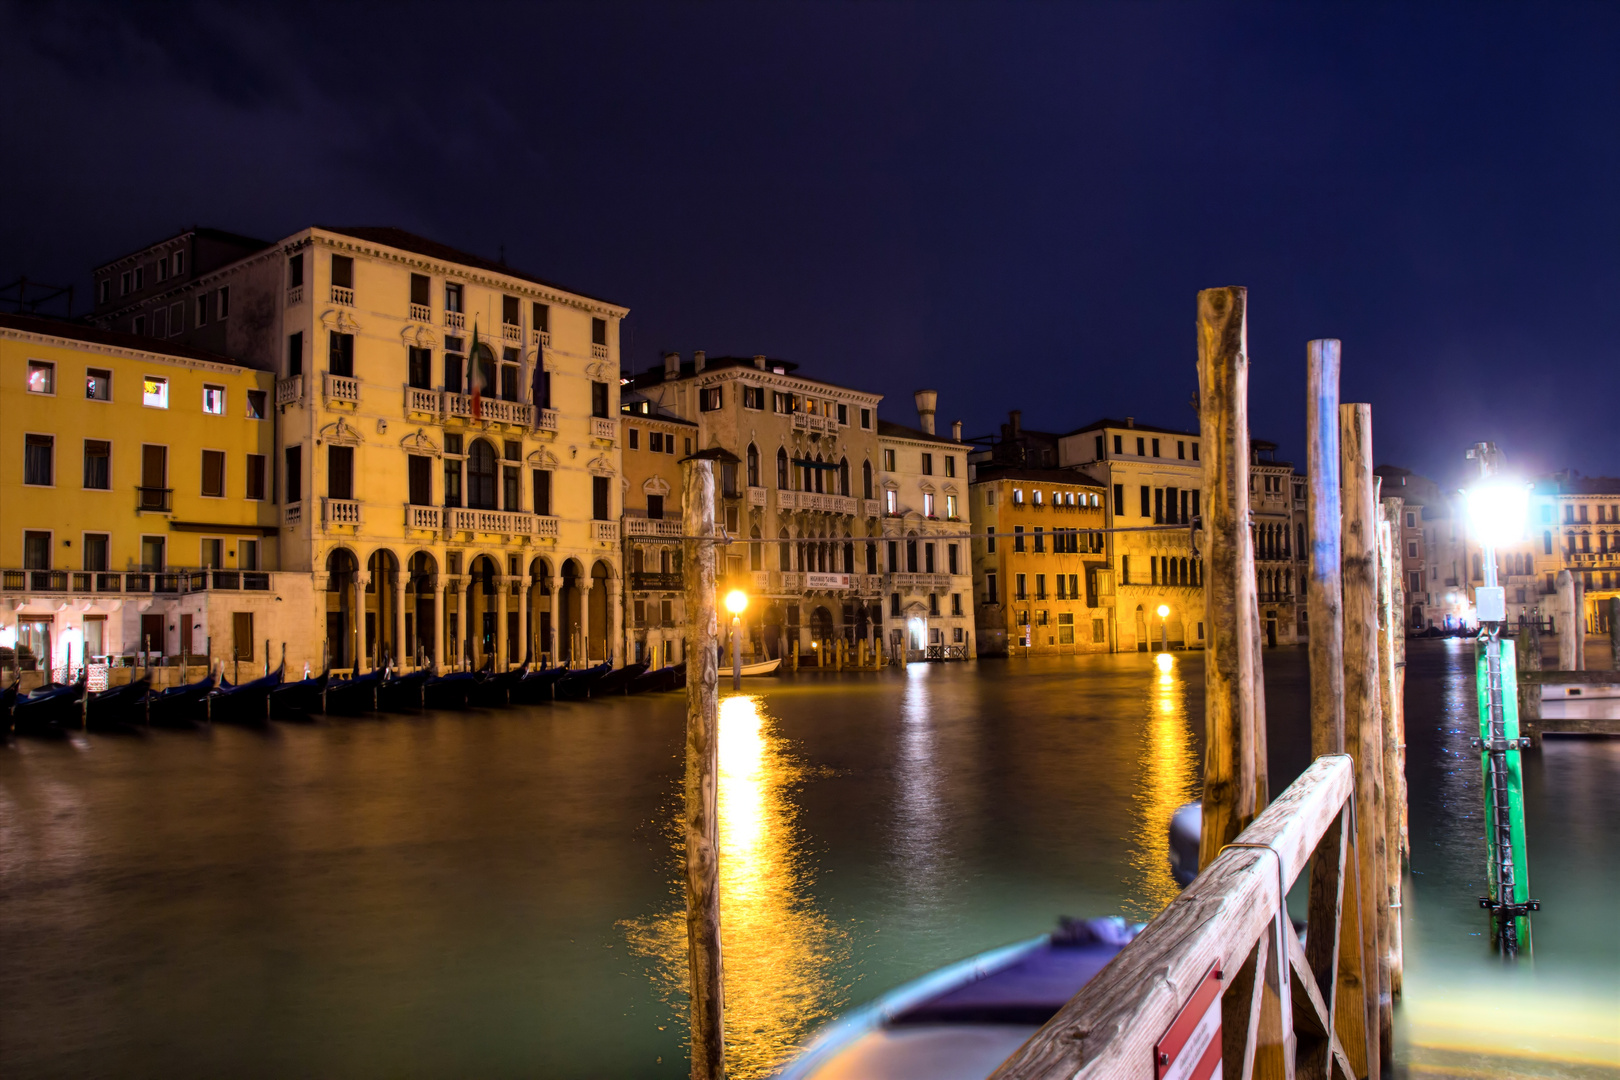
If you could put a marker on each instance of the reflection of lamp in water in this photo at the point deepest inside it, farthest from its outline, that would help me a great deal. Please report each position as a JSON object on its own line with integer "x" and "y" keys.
{"x": 1164, "y": 661}
{"x": 736, "y": 603}
{"x": 1164, "y": 631}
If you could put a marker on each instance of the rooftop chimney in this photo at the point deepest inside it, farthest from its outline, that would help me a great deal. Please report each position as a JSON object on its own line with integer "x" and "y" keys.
{"x": 1130, "y": 421}
{"x": 759, "y": 361}
{"x": 1017, "y": 418}
{"x": 925, "y": 400}
{"x": 672, "y": 366}
{"x": 699, "y": 358}
{"x": 956, "y": 430}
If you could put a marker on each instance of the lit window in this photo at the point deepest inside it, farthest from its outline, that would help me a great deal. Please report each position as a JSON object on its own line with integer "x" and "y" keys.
{"x": 950, "y": 506}
{"x": 98, "y": 384}
{"x": 928, "y": 504}
{"x": 214, "y": 400}
{"x": 891, "y": 502}
{"x": 1018, "y": 496}
{"x": 41, "y": 377}
{"x": 155, "y": 392}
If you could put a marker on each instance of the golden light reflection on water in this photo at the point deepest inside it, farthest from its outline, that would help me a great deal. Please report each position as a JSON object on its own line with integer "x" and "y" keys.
{"x": 780, "y": 953}
{"x": 1167, "y": 773}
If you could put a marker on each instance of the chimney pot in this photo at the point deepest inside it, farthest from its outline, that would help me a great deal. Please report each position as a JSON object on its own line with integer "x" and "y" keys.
{"x": 1130, "y": 421}
{"x": 759, "y": 361}
{"x": 699, "y": 358}
{"x": 1017, "y": 417}
{"x": 672, "y": 366}
{"x": 956, "y": 430}
{"x": 926, "y": 399}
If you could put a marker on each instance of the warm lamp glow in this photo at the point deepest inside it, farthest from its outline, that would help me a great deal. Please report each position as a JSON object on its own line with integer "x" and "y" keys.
{"x": 1498, "y": 512}
{"x": 1164, "y": 661}
{"x": 1164, "y": 611}
{"x": 736, "y": 601}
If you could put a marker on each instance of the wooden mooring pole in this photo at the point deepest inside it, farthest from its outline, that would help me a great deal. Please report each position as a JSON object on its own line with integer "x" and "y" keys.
{"x": 1389, "y": 701}
{"x": 1234, "y": 770}
{"x": 1363, "y": 719}
{"x": 706, "y": 983}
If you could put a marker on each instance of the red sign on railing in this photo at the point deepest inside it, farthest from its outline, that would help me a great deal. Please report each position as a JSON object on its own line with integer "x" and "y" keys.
{"x": 1191, "y": 1049}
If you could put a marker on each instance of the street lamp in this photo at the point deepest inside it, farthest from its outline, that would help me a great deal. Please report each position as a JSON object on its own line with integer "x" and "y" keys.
{"x": 1164, "y": 630}
{"x": 736, "y": 602}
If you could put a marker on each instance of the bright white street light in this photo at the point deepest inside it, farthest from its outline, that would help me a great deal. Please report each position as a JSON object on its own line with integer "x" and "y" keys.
{"x": 1164, "y": 611}
{"x": 736, "y": 601}
{"x": 1498, "y": 512}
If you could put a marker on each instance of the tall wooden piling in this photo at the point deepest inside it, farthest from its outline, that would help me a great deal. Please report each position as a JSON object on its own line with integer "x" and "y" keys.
{"x": 706, "y": 984}
{"x": 1614, "y": 633}
{"x": 1394, "y": 509}
{"x": 1577, "y": 619}
{"x": 1565, "y": 615}
{"x": 1389, "y": 705}
{"x": 1233, "y": 774}
{"x": 1363, "y": 721}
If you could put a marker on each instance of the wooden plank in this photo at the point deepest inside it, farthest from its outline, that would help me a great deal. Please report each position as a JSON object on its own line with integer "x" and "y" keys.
{"x": 706, "y": 983}
{"x": 1350, "y": 990}
{"x": 1328, "y": 864}
{"x": 1388, "y": 629}
{"x": 1363, "y": 722}
{"x": 1230, "y": 778}
{"x": 1274, "y": 1020}
{"x": 1240, "y": 1009}
{"x": 1110, "y": 1027}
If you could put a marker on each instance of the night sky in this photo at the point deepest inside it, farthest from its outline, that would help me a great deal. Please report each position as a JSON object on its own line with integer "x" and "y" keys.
{"x": 1014, "y": 205}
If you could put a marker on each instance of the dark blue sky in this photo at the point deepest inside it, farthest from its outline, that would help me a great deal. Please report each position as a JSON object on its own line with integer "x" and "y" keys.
{"x": 1013, "y": 204}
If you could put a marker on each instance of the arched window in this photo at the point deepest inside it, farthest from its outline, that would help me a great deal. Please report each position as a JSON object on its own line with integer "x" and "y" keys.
{"x": 843, "y": 476}
{"x": 911, "y": 553}
{"x": 481, "y": 472}
{"x": 866, "y": 479}
{"x": 785, "y": 551}
{"x": 756, "y": 554}
{"x": 753, "y": 465}
{"x": 820, "y": 482}
{"x": 781, "y": 471}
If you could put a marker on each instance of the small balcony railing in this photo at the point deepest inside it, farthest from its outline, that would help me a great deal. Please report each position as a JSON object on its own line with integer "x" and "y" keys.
{"x": 495, "y": 410}
{"x": 640, "y": 526}
{"x": 342, "y": 294}
{"x": 495, "y": 522}
{"x": 88, "y": 582}
{"x": 545, "y": 527}
{"x": 642, "y": 581}
{"x": 293, "y": 514}
{"x": 340, "y": 388}
{"x": 756, "y": 496}
{"x": 605, "y": 530}
{"x": 872, "y": 507}
{"x": 423, "y": 518}
{"x": 290, "y": 390}
{"x": 542, "y": 338}
{"x": 511, "y": 332}
{"x": 153, "y": 498}
{"x": 545, "y": 420}
{"x": 599, "y": 352}
{"x": 295, "y": 296}
{"x": 426, "y": 402}
{"x": 455, "y": 320}
{"x": 926, "y": 582}
{"x": 422, "y": 313}
{"x": 602, "y": 428}
{"x": 340, "y": 512}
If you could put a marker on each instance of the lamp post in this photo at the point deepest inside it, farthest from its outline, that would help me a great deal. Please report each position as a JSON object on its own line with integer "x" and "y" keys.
{"x": 1164, "y": 629}
{"x": 736, "y": 602}
{"x": 1496, "y": 511}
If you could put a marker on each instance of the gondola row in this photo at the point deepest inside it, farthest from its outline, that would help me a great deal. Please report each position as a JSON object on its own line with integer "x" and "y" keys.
{"x": 57, "y": 708}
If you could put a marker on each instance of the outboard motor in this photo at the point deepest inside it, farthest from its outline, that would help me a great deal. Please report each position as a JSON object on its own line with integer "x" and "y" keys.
{"x": 1186, "y": 829}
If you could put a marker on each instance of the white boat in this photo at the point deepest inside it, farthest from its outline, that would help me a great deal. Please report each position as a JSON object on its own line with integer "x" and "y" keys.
{"x": 764, "y": 667}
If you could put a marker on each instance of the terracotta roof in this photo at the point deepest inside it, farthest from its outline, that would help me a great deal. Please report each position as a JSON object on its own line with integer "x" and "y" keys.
{"x": 75, "y": 331}
{"x": 389, "y": 236}
{"x": 1106, "y": 422}
{"x": 901, "y": 431}
{"x": 251, "y": 243}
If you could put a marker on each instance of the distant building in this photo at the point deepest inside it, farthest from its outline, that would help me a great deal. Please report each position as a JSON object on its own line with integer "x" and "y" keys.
{"x": 1434, "y": 552}
{"x": 1281, "y": 557}
{"x": 1575, "y": 526}
{"x": 653, "y": 441}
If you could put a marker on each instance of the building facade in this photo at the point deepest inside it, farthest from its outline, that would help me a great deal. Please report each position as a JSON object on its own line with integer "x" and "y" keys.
{"x": 447, "y": 461}
{"x": 926, "y": 551}
{"x": 136, "y": 500}
{"x": 1044, "y": 580}
{"x": 1278, "y": 510}
{"x": 653, "y": 441}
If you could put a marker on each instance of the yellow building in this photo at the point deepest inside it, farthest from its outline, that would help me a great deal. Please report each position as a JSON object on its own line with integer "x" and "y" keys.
{"x": 1043, "y": 575}
{"x": 136, "y": 499}
{"x": 654, "y": 442}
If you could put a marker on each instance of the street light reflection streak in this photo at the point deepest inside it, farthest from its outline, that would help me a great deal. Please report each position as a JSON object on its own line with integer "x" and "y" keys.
{"x": 1168, "y": 778}
{"x": 780, "y": 952}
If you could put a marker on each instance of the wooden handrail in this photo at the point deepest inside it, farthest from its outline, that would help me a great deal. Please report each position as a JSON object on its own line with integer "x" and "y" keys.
{"x": 1228, "y": 918}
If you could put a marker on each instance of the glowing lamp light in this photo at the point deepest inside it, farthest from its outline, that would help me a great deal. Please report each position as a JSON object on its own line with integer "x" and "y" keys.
{"x": 1164, "y": 611}
{"x": 1164, "y": 660}
{"x": 736, "y": 601}
{"x": 1498, "y": 512}
{"x": 8, "y": 637}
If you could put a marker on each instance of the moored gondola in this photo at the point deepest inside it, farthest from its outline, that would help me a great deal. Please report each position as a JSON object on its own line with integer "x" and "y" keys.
{"x": 405, "y": 693}
{"x": 579, "y": 684}
{"x": 496, "y": 690}
{"x": 299, "y": 700}
{"x": 537, "y": 686}
{"x": 449, "y": 691}
{"x": 649, "y": 682}
{"x": 49, "y": 711}
{"x": 121, "y": 708}
{"x": 354, "y": 695}
{"x": 616, "y": 681}
{"x": 180, "y": 706}
{"x": 246, "y": 703}
{"x": 8, "y": 698}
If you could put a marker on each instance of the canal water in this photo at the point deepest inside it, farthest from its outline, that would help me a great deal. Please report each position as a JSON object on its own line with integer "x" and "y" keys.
{"x": 496, "y": 893}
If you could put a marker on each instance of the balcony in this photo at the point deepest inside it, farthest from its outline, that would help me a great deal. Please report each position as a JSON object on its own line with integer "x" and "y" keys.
{"x": 421, "y": 313}
{"x": 501, "y": 522}
{"x": 424, "y": 402}
{"x": 603, "y": 428}
{"x": 293, "y": 515}
{"x": 756, "y": 496}
{"x": 455, "y": 320}
{"x": 155, "y": 499}
{"x": 605, "y": 530}
{"x": 290, "y": 391}
{"x": 872, "y": 508}
{"x": 511, "y": 332}
{"x": 640, "y": 526}
{"x": 806, "y": 422}
{"x": 810, "y": 500}
{"x": 1592, "y": 558}
{"x": 642, "y": 582}
{"x": 921, "y": 583}
{"x": 545, "y": 527}
{"x": 343, "y": 295}
{"x": 494, "y": 410}
{"x": 787, "y": 581}
{"x": 541, "y": 338}
{"x": 340, "y": 512}
{"x": 295, "y": 296}
{"x": 545, "y": 420}
{"x": 423, "y": 518}
{"x": 599, "y": 352}
{"x": 87, "y": 583}
{"x": 340, "y": 388}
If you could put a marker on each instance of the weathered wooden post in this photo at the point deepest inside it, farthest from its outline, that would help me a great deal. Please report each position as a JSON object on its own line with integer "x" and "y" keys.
{"x": 1363, "y": 720}
{"x": 1577, "y": 620}
{"x": 706, "y": 983}
{"x": 1232, "y": 771}
{"x": 1566, "y": 621}
{"x": 1389, "y": 707}
{"x": 1397, "y": 786}
{"x": 1614, "y": 633}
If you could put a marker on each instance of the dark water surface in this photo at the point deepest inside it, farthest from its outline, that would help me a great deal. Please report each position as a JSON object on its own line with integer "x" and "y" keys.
{"x": 496, "y": 894}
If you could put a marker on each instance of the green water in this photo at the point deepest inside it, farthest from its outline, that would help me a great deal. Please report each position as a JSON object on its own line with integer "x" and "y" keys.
{"x": 495, "y": 893}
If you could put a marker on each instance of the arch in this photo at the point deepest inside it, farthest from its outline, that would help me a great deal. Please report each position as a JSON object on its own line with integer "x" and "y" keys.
{"x": 781, "y": 468}
{"x": 866, "y": 479}
{"x": 756, "y": 553}
{"x": 820, "y": 486}
{"x": 843, "y": 476}
{"x": 598, "y": 647}
{"x": 381, "y": 641}
{"x": 341, "y": 568}
{"x": 786, "y": 550}
{"x": 753, "y": 465}
{"x": 821, "y": 633}
{"x": 482, "y": 472}
{"x": 911, "y": 552}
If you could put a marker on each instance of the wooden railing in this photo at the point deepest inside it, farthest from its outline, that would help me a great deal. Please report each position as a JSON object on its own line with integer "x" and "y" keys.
{"x": 1286, "y": 1009}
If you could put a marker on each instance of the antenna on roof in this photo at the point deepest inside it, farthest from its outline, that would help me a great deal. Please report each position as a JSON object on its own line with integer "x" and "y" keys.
{"x": 503, "y": 254}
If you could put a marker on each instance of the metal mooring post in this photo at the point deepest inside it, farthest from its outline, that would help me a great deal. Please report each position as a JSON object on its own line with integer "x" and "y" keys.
{"x": 1496, "y": 683}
